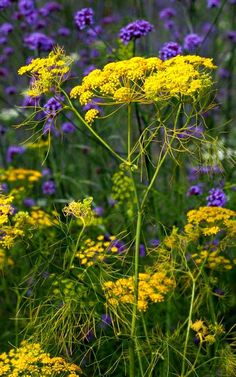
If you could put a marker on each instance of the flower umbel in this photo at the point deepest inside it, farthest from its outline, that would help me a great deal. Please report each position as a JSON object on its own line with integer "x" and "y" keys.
{"x": 48, "y": 72}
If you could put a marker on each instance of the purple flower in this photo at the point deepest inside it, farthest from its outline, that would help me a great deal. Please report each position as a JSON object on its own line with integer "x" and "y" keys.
{"x": 46, "y": 172}
{"x": 48, "y": 188}
{"x": 142, "y": 250}
{"x": 213, "y": 3}
{"x": 48, "y": 8}
{"x": 6, "y": 28}
{"x": 26, "y": 6}
{"x": 224, "y": 73}
{"x": 3, "y": 71}
{"x": 192, "y": 41}
{"x": 192, "y": 131}
{"x": 63, "y": 31}
{"x": 99, "y": 211}
{"x": 194, "y": 190}
{"x": 68, "y": 128}
{"x": 105, "y": 321}
{"x": 167, "y": 13}
{"x": 39, "y": 41}
{"x": 31, "y": 101}
{"x": 3, "y": 187}
{"x": 117, "y": 243}
{"x": 217, "y": 198}
{"x": 154, "y": 242}
{"x": 4, "y": 4}
{"x": 8, "y": 50}
{"x": 93, "y": 34}
{"x": 10, "y": 90}
{"x": 218, "y": 292}
{"x": 170, "y": 50}
{"x": 13, "y": 151}
{"x": 51, "y": 107}
{"x": 135, "y": 30}
{"x": 84, "y": 17}
{"x": 49, "y": 128}
{"x": 89, "y": 69}
{"x": 29, "y": 202}
{"x": 231, "y": 35}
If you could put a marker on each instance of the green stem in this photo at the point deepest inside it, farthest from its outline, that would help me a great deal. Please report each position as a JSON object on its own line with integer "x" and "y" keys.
{"x": 77, "y": 244}
{"x": 188, "y": 327}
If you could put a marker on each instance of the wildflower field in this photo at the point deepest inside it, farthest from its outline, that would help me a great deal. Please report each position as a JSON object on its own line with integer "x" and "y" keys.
{"x": 118, "y": 188}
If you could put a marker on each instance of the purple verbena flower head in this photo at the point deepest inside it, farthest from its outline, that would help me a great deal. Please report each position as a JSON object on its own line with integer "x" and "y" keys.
{"x": 170, "y": 50}
{"x": 48, "y": 8}
{"x": 213, "y": 3}
{"x": 8, "y": 50}
{"x": 46, "y": 172}
{"x": 63, "y": 31}
{"x": 167, "y": 13}
{"x": 51, "y": 107}
{"x": 89, "y": 69}
{"x": 12, "y": 151}
{"x": 224, "y": 73}
{"x": 99, "y": 211}
{"x": 3, "y": 71}
{"x": 135, "y": 30}
{"x": 105, "y": 321}
{"x": 93, "y": 34}
{"x": 4, "y": 4}
{"x": 84, "y": 17}
{"x": 29, "y": 202}
{"x": 30, "y": 101}
{"x": 49, "y": 187}
{"x": 142, "y": 250}
{"x": 217, "y": 198}
{"x": 26, "y": 6}
{"x": 49, "y": 128}
{"x": 68, "y": 128}
{"x": 39, "y": 41}
{"x": 6, "y": 28}
{"x": 231, "y": 36}
{"x": 192, "y": 41}
{"x": 194, "y": 190}
{"x": 10, "y": 90}
{"x": 154, "y": 242}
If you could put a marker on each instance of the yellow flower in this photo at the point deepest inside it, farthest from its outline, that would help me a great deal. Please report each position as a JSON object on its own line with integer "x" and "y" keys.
{"x": 81, "y": 210}
{"x": 91, "y": 115}
{"x": 47, "y": 72}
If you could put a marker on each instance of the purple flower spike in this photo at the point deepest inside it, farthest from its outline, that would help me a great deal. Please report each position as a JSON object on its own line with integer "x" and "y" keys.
{"x": 170, "y": 50}
{"x": 84, "y": 17}
{"x": 217, "y": 198}
{"x": 135, "y": 30}
{"x": 39, "y": 41}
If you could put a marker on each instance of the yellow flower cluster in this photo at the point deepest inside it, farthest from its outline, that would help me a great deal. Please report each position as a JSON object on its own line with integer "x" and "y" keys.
{"x": 31, "y": 360}
{"x": 206, "y": 333}
{"x": 81, "y": 210}
{"x": 178, "y": 77}
{"x": 209, "y": 221}
{"x": 151, "y": 288}
{"x": 93, "y": 252}
{"x": 11, "y": 226}
{"x": 145, "y": 80}
{"x": 212, "y": 260}
{"x": 47, "y": 72}
{"x": 12, "y": 175}
{"x": 91, "y": 115}
{"x": 118, "y": 81}
{"x": 40, "y": 218}
{"x": 4, "y": 260}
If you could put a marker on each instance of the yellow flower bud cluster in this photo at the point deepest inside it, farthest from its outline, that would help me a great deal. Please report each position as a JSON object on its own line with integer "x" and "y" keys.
{"x": 12, "y": 175}
{"x": 151, "y": 288}
{"x": 47, "y": 72}
{"x": 92, "y": 252}
{"x": 31, "y": 360}
{"x": 123, "y": 191}
{"x": 81, "y": 210}
{"x": 206, "y": 333}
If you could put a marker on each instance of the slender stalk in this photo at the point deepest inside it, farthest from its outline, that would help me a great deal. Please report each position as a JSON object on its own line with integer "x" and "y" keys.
{"x": 188, "y": 327}
{"x": 107, "y": 146}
